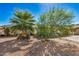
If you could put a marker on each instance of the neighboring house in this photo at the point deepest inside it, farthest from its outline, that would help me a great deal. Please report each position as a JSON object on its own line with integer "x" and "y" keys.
{"x": 76, "y": 30}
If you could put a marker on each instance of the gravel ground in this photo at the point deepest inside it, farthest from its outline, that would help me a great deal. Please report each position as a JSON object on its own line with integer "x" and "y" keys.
{"x": 3, "y": 39}
{"x": 9, "y": 46}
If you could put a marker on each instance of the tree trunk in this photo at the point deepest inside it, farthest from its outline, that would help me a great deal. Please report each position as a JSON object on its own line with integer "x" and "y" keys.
{"x": 23, "y": 36}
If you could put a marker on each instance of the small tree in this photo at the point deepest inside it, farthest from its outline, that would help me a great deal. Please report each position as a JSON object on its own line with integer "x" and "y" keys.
{"x": 6, "y": 30}
{"x": 55, "y": 23}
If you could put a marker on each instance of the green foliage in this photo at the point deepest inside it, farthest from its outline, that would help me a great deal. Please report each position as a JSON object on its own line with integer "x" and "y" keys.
{"x": 22, "y": 21}
{"x": 54, "y": 23}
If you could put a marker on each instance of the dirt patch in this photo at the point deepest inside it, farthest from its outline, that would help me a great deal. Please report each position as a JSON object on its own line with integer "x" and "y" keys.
{"x": 35, "y": 47}
{"x": 13, "y": 47}
{"x": 52, "y": 48}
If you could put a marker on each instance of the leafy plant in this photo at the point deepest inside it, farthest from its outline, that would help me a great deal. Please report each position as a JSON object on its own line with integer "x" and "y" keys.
{"x": 55, "y": 23}
{"x": 6, "y": 30}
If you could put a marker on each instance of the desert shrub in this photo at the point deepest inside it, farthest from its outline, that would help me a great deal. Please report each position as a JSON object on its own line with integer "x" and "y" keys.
{"x": 56, "y": 22}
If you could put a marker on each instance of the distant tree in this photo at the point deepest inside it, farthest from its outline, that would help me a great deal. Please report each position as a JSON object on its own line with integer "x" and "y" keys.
{"x": 6, "y": 30}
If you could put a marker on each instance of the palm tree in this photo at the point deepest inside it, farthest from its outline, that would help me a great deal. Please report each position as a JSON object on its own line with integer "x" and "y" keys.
{"x": 23, "y": 23}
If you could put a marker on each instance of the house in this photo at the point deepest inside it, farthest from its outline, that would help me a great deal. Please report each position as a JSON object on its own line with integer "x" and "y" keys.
{"x": 76, "y": 30}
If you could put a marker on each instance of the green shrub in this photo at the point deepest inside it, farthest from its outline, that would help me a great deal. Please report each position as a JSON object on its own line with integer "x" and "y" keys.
{"x": 54, "y": 23}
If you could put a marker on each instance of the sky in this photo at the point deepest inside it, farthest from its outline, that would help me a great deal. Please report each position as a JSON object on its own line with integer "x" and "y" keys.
{"x": 7, "y": 10}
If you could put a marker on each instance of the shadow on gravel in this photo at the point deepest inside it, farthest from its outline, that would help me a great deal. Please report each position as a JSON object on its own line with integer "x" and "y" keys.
{"x": 51, "y": 48}
{"x": 39, "y": 48}
{"x": 12, "y": 46}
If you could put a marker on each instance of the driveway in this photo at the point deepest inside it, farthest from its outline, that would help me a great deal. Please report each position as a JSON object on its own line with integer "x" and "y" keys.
{"x": 73, "y": 38}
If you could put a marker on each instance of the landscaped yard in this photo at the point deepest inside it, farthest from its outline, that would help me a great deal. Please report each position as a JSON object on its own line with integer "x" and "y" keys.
{"x": 9, "y": 46}
{"x": 44, "y": 33}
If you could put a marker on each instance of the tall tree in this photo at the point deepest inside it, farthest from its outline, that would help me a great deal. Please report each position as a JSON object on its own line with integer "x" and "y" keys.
{"x": 55, "y": 23}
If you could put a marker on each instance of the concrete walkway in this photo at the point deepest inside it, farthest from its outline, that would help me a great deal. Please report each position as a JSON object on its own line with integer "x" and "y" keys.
{"x": 73, "y": 38}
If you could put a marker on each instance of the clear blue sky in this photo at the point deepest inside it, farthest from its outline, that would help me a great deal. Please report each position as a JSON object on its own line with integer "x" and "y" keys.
{"x": 7, "y": 9}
